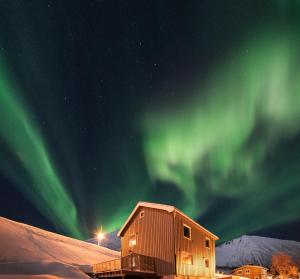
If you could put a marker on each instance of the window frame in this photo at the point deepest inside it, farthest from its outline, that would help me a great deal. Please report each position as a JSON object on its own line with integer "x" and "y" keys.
{"x": 142, "y": 214}
{"x": 207, "y": 240}
{"x": 131, "y": 241}
{"x": 190, "y": 230}
{"x": 186, "y": 255}
{"x": 206, "y": 260}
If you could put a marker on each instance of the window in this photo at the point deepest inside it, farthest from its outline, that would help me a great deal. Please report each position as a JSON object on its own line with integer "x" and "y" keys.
{"x": 142, "y": 214}
{"x": 207, "y": 243}
{"x": 206, "y": 263}
{"x": 186, "y": 258}
{"x": 247, "y": 271}
{"x": 186, "y": 231}
{"x": 240, "y": 272}
{"x": 132, "y": 240}
{"x": 256, "y": 277}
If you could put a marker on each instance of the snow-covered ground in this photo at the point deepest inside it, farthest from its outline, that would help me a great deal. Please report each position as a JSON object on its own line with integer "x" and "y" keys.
{"x": 29, "y": 252}
{"x": 254, "y": 250}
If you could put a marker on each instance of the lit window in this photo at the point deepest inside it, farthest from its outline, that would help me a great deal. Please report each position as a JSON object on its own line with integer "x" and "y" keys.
{"x": 142, "y": 214}
{"x": 247, "y": 271}
{"x": 186, "y": 231}
{"x": 207, "y": 243}
{"x": 206, "y": 263}
{"x": 240, "y": 272}
{"x": 186, "y": 258}
{"x": 132, "y": 240}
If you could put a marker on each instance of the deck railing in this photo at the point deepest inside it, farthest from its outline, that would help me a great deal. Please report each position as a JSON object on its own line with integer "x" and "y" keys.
{"x": 133, "y": 262}
{"x": 111, "y": 265}
{"x": 138, "y": 262}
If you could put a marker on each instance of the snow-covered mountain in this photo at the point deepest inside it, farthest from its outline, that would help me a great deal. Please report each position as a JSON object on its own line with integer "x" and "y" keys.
{"x": 254, "y": 250}
{"x": 111, "y": 241}
{"x": 26, "y": 251}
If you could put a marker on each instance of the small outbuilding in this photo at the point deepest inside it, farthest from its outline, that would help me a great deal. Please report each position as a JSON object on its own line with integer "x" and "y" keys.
{"x": 251, "y": 271}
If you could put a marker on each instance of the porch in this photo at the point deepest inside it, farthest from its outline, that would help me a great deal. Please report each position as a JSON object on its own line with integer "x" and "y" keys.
{"x": 131, "y": 265}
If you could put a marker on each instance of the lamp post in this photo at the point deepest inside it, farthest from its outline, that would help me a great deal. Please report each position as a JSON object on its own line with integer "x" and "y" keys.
{"x": 100, "y": 236}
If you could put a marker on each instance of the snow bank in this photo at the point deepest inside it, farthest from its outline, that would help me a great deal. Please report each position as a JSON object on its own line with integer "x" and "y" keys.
{"x": 41, "y": 268}
{"x": 31, "y": 277}
{"x": 27, "y": 250}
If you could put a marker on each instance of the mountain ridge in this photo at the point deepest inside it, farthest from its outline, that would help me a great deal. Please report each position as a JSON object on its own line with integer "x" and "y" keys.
{"x": 257, "y": 250}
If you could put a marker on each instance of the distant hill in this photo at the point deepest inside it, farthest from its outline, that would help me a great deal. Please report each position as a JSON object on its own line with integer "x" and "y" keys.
{"x": 254, "y": 250}
{"x": 27, "y": 250}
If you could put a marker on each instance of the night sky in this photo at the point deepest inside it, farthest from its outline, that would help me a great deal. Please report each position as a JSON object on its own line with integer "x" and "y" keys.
{"x": 189, "y": 103}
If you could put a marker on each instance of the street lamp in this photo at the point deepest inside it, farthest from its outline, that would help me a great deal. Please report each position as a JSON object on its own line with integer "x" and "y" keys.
{"x": 100, "y": 236}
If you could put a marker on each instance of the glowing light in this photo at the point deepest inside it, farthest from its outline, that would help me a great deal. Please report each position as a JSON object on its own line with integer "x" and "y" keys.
{"x": 100, "y": 236}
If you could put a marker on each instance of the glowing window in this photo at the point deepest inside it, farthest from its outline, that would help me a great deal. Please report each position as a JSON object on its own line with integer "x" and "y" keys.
{"x": 206, "y": 263}
{"x": 186, "y": 231}
{"x": 186, "y": 258}
{"x": 132, "y": 240}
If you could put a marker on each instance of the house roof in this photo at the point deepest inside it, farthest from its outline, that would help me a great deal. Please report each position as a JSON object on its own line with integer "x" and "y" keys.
{"x": 168, "y": 208}
{"x": 249, "y": 265}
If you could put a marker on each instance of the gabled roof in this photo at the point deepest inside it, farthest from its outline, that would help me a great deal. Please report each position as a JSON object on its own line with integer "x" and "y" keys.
{"x": 168, "y": 208}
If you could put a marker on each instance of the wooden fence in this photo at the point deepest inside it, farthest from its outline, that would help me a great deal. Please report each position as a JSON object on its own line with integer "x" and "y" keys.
{"x": 133, "y": 262}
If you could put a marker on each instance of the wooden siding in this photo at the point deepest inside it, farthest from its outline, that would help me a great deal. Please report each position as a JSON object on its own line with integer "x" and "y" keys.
{"x": 154, "y": 238}
{"x": 196, "y": 247}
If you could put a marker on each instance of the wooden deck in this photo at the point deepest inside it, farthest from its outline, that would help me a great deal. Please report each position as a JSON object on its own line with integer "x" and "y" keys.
{"x": 131, "y": 265}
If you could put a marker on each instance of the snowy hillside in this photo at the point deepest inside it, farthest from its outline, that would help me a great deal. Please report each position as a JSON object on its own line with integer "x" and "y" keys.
{"x": 111, "y": 241}
{"x": 28, "y": 250}
{"x": 254, "y": 250}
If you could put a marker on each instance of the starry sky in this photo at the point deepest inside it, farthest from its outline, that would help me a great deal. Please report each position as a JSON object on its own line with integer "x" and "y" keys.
{"x": 189, "y": 103}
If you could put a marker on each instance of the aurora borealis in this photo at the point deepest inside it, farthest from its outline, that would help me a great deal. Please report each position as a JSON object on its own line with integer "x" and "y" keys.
{"x": 212, "y": 134}
{"x": 191, "y": 103}
{"x": 25, "y": 144}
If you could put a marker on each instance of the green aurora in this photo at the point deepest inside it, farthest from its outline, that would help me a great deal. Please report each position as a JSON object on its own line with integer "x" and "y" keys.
{"x": 86, "y": 130}
{"x": 21, "y": 136}
{"x": 215, "y": 143}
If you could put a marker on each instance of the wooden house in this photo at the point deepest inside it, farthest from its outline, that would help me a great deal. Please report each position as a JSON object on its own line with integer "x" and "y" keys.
{"x": 161, "y": 241}
{"x": 251, "y": 271}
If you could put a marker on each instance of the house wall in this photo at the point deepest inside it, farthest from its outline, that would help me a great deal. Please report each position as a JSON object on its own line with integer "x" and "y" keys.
{"x": 256, "y": 272}
{"x": 154, "y": 234}
{"x": 196, "y": 247}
